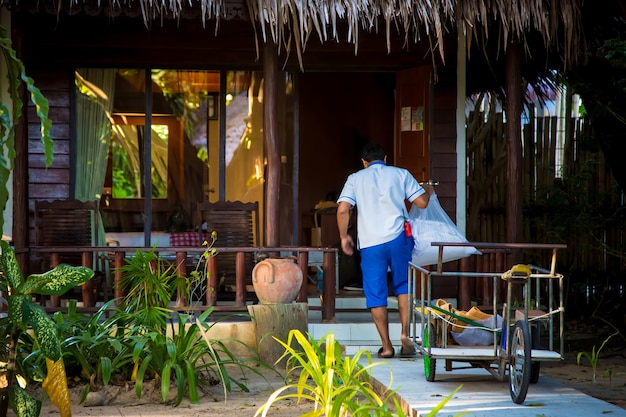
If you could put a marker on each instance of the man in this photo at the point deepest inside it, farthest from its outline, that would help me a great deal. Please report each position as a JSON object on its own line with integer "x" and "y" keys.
{"x": 379, "y": 192}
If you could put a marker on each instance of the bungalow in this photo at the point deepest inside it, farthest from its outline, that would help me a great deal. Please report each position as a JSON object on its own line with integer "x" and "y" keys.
{"x": 157, "y": 106}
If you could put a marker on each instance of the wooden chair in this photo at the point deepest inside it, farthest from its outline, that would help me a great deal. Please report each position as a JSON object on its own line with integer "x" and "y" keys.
{"x": 237, "y": 225}
{"x": 68, "y": 223}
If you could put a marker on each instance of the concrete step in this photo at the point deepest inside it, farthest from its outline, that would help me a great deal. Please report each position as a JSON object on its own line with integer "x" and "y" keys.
{"x": 353, "y": 326}
{"x": 354, "y": 336}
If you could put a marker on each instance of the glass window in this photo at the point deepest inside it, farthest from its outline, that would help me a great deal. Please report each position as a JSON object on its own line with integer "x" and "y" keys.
{"x": 191, "y": 159}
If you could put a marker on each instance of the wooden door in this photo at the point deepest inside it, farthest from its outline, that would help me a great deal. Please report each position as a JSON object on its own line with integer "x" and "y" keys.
{"x": 413, "y": 106}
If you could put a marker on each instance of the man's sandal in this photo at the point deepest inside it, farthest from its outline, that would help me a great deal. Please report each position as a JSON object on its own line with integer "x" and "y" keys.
{"x": 386, "y": 356}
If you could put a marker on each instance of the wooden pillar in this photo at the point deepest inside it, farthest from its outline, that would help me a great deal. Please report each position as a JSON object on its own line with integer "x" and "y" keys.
{"x": 87, "y": 289}
{"x": 328, "y": 291}
{"x": 270, "y": 134}
{"x": 240, "y": 279}
{"x": 514, "y": 224}
{"x": 21, "y": 220}
{"x": 118, "y": 263}
{"x": 55, "y": 259}
{"x": 181, "y": 272}
{"x": 303, "y": 261}
{"x": 211, "y": 292}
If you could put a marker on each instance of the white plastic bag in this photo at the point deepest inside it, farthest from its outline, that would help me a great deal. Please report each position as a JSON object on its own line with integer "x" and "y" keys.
{"x": 432, "y": 224}
{"x": 475, "y": 336}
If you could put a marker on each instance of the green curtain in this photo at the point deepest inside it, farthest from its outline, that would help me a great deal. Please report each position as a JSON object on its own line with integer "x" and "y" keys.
{"x": 94, "y": 104}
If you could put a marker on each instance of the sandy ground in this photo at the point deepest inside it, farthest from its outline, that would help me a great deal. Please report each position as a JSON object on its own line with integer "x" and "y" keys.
{"x": 121, "y": 401}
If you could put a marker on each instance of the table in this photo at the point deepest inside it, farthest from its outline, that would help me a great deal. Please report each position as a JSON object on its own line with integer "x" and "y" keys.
{"x": 159, "y": 239}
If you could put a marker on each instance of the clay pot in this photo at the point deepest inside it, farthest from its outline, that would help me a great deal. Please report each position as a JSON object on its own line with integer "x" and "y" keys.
{"x": 277, "y": 280}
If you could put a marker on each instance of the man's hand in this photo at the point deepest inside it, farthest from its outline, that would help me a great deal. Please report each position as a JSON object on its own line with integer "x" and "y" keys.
{"x": 347, "y": 245}
{"x": 428, "y": 188}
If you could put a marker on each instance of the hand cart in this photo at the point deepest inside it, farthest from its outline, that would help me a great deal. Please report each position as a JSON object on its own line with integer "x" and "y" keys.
{"x": 516, "y": 343}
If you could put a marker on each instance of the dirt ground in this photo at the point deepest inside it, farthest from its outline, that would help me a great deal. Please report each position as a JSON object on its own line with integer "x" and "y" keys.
{"x": 610, "y": 374}
{"x": 116, "y": 400}
{"x": 609, "y": 385}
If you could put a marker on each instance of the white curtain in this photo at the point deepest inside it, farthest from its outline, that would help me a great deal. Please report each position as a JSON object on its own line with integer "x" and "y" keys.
{"x": 95, "y": 89}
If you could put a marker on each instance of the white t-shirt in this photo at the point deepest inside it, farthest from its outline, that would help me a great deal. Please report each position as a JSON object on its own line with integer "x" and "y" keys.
{"x": 379, "y": 192}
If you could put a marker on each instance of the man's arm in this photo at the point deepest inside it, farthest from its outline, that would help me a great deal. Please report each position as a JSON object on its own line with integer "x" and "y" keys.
{"x": 422, "y": 200}
{"x": 343, "y": 219}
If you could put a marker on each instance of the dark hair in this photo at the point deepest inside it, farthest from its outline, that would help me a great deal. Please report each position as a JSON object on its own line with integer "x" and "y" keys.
{"x": 373, "y": 152}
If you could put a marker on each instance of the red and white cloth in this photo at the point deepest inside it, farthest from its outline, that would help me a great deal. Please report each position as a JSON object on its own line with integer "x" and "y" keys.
{"x": 185, "y": 239}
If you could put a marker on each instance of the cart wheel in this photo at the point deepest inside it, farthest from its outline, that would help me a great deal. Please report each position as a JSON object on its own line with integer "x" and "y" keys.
{"x": 430, "y": 336}
{"x": 519, "y": 362}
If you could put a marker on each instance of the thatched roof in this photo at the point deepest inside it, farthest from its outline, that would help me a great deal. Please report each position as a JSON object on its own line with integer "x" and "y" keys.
{"x": 290, "y": 23}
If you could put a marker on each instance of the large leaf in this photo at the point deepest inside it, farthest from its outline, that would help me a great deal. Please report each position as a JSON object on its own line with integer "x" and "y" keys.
{"x": 23, "y": 404}
{"x": 16, "y": 309}
{"x": 9, "y": 266}
{"x": 45, "y": 330}
{"x": 55, "y": 386}
{"x": 56, "y": 282}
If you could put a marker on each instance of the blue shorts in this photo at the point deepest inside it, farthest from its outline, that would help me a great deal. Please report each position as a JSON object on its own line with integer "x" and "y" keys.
{"x": 377, "y": 260}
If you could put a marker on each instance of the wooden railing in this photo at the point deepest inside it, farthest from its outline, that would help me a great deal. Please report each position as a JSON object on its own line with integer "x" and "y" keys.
{"x": 185, "y": 255}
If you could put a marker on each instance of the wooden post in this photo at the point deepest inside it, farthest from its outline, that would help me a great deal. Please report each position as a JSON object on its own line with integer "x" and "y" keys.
{"x": 88, "y": 287}
{"x": 181, "y": 272}
{"x": 513, "y": 143}
{"x": 55, "y": 259}
{"x": 21, "y": 189}
{"x": 276, "y": 321}
{"x": 303, "y": 261}
{"x": 118, "y": 262}
{"x": 211, "y": 292}
{"x": 328, "y": 291}
{"x": 240, "y": 279}
{"x": 270, "y": 135}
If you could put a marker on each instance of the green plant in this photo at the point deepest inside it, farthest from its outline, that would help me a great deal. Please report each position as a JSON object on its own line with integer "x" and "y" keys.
{"x": 594, "y": 356}
{"x": 186, "y": 358}
{"x": 183, "y": 355}
{"x": 90, "y": 342}
{"x": 195, "y": 287}
{"x": 335, "y": 385}
{"x": 16, "y": 75}
{"x": 26, "y": 316}
{"x": 150, "y": 282}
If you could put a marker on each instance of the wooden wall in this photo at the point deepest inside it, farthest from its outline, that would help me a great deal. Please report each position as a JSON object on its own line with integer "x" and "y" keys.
{"x": 50, "y": 183}
{"x": 582, "y": 208}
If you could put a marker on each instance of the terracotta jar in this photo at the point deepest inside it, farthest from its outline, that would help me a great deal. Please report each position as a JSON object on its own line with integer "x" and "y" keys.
{"x": 277, "y": 280}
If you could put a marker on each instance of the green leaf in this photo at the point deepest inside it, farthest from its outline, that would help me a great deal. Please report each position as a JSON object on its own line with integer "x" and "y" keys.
{"x": 106, "y": 369}
{"x": 180, "y": 383}
{"x": 23, "y": 404}
{"x": 140, "y": 375}
{"x": 171, "y": 348}
{"x": 16, "y": 309}
{"x": 16, "y": 74}
{"x": 165, "y": 380}
{"x": 57, "y": 281}
{"x": 9, "y": 266}
{"x": 192, "y": 382}
{"x": 44, "y": 329}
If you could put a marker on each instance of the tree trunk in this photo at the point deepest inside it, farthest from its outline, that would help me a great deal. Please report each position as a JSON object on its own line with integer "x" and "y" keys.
{"x": 276, "y": 321}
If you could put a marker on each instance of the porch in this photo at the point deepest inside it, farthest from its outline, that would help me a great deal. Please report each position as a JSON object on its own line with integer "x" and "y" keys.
{"x": 328, "y": 309}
